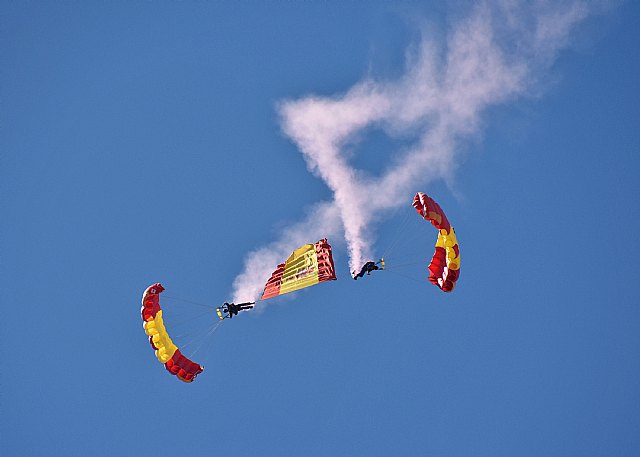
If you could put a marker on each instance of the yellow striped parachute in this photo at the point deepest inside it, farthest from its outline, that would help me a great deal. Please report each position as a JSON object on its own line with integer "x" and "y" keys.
{"x": 306, "y": 266}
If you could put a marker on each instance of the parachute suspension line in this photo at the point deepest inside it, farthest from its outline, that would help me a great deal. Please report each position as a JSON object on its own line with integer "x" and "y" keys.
{"x": 184, "y": 320}
{"x": 204, "y": 338}
{"x": 195, "y": 341}
{"x": 397, "y": 236}
{"x": 210, "y": 341}
{"x": 401, "y": 265}
{"x": 180, "y": 325}
{"x": 407, "y": 276}
{"x": 177, "y": 299}
{"x": 183, "y": 315}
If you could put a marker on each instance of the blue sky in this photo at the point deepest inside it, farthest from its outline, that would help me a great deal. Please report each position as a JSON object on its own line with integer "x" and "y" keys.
{"x": 182, "y": 142}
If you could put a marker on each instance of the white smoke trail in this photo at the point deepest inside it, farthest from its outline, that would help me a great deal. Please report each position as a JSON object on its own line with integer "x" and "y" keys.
{"x": 491, "y": 56}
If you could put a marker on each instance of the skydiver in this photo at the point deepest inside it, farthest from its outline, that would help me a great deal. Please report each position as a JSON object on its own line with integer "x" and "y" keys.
{"x": 232, "y": 309}
{"x": 366, "y": 268}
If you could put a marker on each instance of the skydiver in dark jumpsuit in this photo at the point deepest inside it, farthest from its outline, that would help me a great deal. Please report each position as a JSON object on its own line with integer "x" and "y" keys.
{"x": 367, "y": 268}
{"x": 232, "y": 309}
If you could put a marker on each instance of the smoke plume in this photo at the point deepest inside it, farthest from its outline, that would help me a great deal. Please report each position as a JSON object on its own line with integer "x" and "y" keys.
{"x": 491, "y": 56}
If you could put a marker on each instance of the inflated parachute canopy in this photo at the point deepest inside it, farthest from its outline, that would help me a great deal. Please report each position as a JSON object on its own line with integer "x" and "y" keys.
{"x": 166, "y": 351}
{"x": 444, "y": 268}
{"x": 306, "y": 266}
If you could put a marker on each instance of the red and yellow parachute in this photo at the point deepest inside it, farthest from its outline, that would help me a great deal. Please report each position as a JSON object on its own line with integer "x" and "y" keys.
{"x": 166, "y": 351}
{"x": 306, "y": 266}
{"x": 444, "y": 268}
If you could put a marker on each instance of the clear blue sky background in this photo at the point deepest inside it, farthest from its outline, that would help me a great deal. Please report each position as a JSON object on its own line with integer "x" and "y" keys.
{"x": 140, "y": 142}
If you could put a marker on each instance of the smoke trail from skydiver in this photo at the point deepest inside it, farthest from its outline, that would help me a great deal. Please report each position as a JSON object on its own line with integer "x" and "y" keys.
{"x": 491, "y": 56}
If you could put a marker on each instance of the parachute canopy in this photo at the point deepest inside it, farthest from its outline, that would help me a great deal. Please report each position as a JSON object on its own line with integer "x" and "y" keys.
{"x": 166, "y": 351}
{"x": 306, "y": 266}
{"x": 444, "y": 268}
